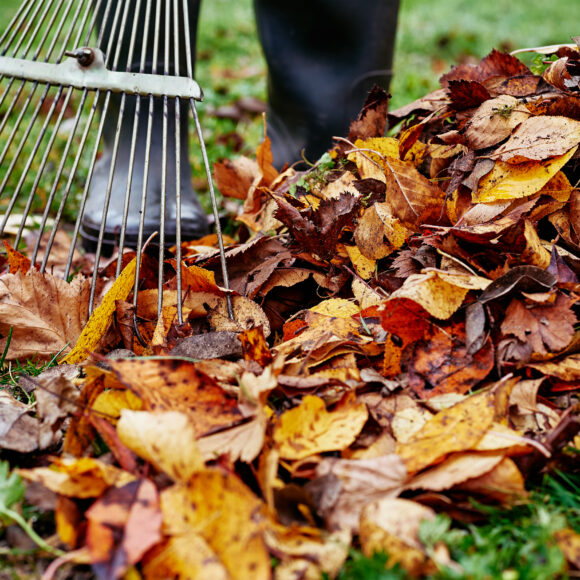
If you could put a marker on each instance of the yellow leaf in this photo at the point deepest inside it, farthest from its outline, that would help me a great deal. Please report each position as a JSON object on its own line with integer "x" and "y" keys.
{"x": 566, "y": 369}
{"x": 569, "y": 542}
{"x": 394, "y": 230}
{"x": 309, "y": 428}
{"x": 229, "y": 518}
{"x": 102, "y": 316}
{"x": 512, "y": 181}
{"x": 364, "y": 267}
{"x": 434, "y": 293}
{"x": 534, "y": 253}
{"x": 111, "y": 403}
{"x": 152, "y": 436}
{"x": 187, "y": 556}
{"x": 458, "y": 428}
{"x": 82, "y": 478}
{"x": 372, "y": 151}
{"x": 559, "y": 187}
{"x": 336, "y": 307}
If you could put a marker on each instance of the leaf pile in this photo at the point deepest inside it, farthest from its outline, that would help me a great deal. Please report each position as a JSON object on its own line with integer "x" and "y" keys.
{"x": 405, "y": 340}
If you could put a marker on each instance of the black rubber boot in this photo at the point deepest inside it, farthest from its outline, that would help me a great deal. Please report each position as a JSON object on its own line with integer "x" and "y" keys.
{"x": 323, "y": 57}
{"x": 193, "y": 220}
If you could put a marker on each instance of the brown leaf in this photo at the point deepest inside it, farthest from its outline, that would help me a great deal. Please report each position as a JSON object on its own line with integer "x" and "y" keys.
{"x": 546, "y": 327}
{"x": 372, "y": 120}
{"x": 442, "y": 364}
{"x": 494, "y": 64}
{"x": 254, "y": 347}
{"x": 412, "y": 198}
{"x": 47, "y": 314}
{"x": 346, "y": 486}
{"x": 467, "y": 94}
{"x": 234, "y": 178}
{"x": 494, "y": 121}
{"x": 456, "y": 469}
{"x": 538, "y": 138}
{"x": 318, "y": 231}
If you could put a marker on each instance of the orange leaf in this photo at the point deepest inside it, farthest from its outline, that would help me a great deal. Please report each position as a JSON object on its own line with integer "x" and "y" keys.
{"x": 254, "y": 346}
{"x": 178, "y": 386}
{"x": 17, "y": 262}
{"x": 122, "y": 525}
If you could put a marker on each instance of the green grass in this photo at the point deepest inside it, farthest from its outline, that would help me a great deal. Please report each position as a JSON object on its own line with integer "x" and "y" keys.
{"x": 508, "y": 544}
{"x": 432, "y": 36}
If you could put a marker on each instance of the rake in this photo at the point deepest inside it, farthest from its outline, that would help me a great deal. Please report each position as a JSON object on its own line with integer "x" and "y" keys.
{"x": 60, "y": 93}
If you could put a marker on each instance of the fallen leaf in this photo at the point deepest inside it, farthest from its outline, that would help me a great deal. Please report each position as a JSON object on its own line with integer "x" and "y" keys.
{"x": 309, "y": 428}
{"x": 391, "y": 525}
{"x": 442, "y": 363}
{"x": 539, "y": 138}
{"x": 546, "y": 327}
{"x": 47, "y": 314}
{"x": 150, "y": 435}
{"x": 176, "y": 385}
{"x": 513, "y": 181}
{"x": 494, "y": 121}
{"x": 83, "y": 478}
{"x": 234, "y": 178}
{"x": 231, "y": 521}
{"x": 123, "y": 524}
{"x": 307, "y": 550}
{"x": 458, "y": 428}
{"x": 101, "y": 318}
{"x": 346, "y": 486}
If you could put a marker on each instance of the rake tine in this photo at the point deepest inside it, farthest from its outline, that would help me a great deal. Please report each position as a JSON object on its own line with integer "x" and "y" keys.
{"x": 25, "y": 53}
{"x": 177, "y": 62}
{"x": 146, "y": 160}
{"x": 15, "y": 24}
{"x": 89, "y": 177}
{"x": 30, "y": 157}
{"x": 218, "y": 228}
{"x": 133, "y": 143}
{"x": 99, "y": 249}
{"x": 27, "y": 104}
{"x": 65, "y": 153}
{"x": 44, "y": 157}
{"x": 66, "y": 190}
{"x": 52, "y": 138}
{"x": 140, "y": 235}
{"x": 163, "y": 149}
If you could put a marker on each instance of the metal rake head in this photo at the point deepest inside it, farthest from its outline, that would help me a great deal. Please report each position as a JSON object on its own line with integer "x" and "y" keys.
{"x": 74, "y": 74}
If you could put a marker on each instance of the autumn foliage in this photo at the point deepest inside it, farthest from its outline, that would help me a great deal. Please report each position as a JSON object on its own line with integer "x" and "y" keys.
{"x": 404, "y": 340}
